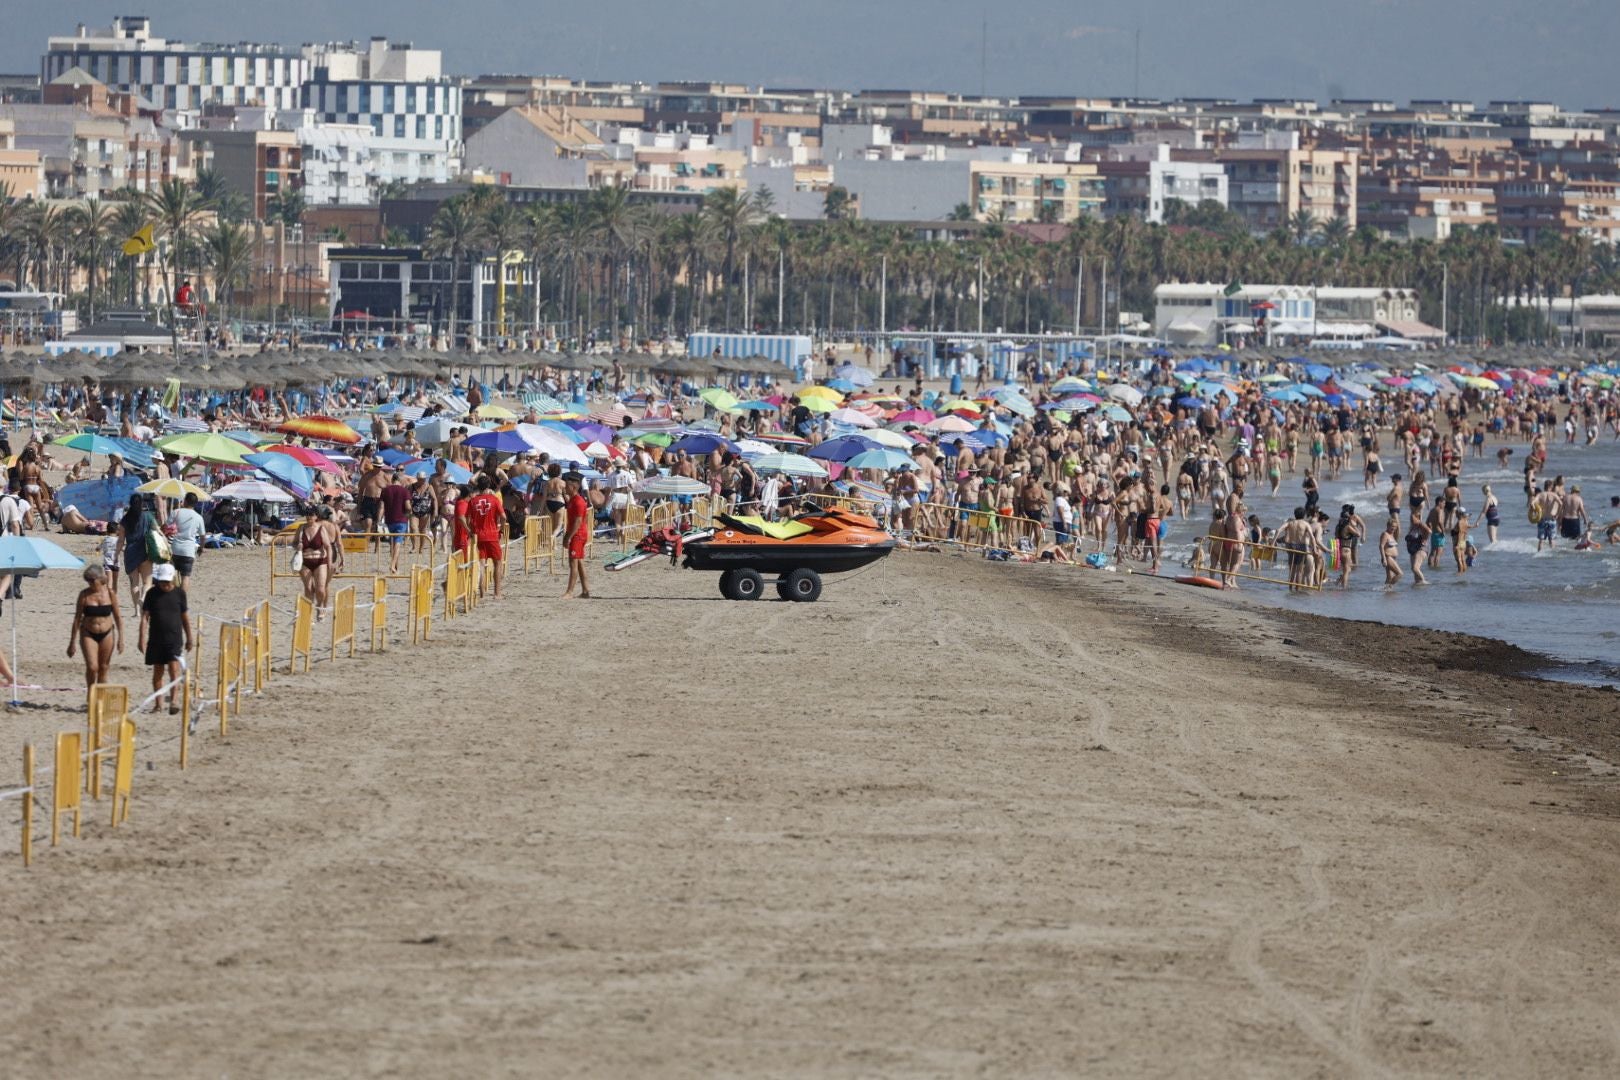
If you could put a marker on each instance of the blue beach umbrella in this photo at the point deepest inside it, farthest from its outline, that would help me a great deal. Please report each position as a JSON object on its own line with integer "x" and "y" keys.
{"x": 841, "y": 449}
{"x": 1190, "y": 402}
{"x": 500, "y": 442}
{"x": 456, "y": 474}
{"x": 285, "y": 470}
{"x": 703, "y": 442}
{"x": 884, "y": 460}
{"x": 29, "y": 556}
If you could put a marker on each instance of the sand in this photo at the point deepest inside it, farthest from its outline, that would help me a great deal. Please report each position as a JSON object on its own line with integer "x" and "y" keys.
{"x": 957, "y": 818}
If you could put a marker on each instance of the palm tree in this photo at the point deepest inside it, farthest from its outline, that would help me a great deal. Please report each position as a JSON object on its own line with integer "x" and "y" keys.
{"x": 229, "y": 248}
{"x": 455, "y": 233}
{"x": 176, "y": 209}
{"x": 93, "y": 223}
{"x": 730, "y": 212}
{"x": 286, "y": 207}
{"x": 503, "y": 229}
{"x": 1301, "y": 225}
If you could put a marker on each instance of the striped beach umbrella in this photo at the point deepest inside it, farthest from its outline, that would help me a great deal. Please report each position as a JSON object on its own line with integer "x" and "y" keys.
{"x": 320, "y": 428}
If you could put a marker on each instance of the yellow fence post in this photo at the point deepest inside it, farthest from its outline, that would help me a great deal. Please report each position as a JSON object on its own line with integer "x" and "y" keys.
{"x": 28, "y": 805}
{"x": 123, "y": 771}
{"x": 303, "y": 632}
{"x": 343, "y": 620}
{"x": 65, "y": 792}
{"x": 262, "y": 627}
{"x": 379, "y": 614}
{"x": 421, "y": 604}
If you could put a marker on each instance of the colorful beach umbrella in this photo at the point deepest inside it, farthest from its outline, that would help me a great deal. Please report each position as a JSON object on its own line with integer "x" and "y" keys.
{"x": 171, "y": 488}
{"x": 789, "y": 465}
{"x": 314, "y": 459}
{"x": 252, "y": 491}
{"x": 320, "y": 428}
{"x": 882, "y": 460}
{"x": 209, "y": 447}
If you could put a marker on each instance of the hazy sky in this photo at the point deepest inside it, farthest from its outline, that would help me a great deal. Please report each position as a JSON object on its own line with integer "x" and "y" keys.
{"x": 1479, "y": 50}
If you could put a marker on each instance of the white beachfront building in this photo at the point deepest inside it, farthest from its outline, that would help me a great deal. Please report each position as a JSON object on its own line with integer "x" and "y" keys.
{"x": 1208, "y": 313}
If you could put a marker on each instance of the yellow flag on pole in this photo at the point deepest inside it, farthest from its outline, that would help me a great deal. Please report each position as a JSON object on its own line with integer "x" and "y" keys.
{"x": 141, "y": 242}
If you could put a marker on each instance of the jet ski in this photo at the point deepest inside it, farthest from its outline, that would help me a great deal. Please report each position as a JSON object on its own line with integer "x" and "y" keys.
{"x": 797, "y": 552}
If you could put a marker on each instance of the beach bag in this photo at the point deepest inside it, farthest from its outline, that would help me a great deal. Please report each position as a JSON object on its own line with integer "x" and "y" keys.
{"x": 1534, "y": 513}
{"x": 157, "y": 545}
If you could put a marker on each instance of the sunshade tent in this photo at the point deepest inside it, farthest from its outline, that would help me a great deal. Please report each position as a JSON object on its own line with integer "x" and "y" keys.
{"x": 29, "y": 556}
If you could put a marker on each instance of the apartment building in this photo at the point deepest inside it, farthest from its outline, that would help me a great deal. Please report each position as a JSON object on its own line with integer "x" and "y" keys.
{"x": 1143, "y": 180}
{"x": 260, "y": 164}
{"x": 1208, "y": 313}
{"x": 22, "y": 172}
{"x": 400, "y": 92}
{"x": 88, "y": 145}
{"x": 177, "y": 77}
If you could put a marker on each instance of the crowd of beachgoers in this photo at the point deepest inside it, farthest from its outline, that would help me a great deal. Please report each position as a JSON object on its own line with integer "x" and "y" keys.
{"x": 1058, "y": 462}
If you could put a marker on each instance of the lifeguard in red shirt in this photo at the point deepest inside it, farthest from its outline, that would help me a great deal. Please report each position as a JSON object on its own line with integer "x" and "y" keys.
{"x": 485, "y": 515}
{"x": 576, "y": 533}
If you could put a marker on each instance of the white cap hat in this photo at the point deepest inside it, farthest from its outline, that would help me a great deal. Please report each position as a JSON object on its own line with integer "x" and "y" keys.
{"x": 163, "y": 572}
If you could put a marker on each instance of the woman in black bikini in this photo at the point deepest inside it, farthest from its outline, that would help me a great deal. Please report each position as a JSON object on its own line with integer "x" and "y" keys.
{"x": 98, "y": 627}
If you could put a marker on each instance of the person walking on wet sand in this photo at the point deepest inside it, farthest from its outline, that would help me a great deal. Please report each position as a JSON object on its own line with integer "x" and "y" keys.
{"x": 576, "y": 534}
{"x": 1417, "y": 545}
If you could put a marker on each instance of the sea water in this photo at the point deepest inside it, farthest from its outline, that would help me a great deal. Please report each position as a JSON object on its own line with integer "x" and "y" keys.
{"x": 1559, "y": 602}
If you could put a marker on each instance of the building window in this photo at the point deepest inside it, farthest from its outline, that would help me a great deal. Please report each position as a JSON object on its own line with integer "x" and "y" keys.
{"x": 399, "y": 127}
{"x": 421, "y": 127}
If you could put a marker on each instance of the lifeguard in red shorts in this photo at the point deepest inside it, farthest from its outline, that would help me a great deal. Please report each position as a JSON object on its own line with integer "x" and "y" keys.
{"x": 485, "y": 513}
{"x": 576, "y": 534}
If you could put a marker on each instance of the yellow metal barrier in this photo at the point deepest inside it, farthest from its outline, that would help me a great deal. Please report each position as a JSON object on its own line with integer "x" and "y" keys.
{"x": 537, "y": 542}
{"x": 421, "y": 604}
{"x": 123, "y": 771}
{"x": 343, "y": 620}
{"x": 108, "y": 707}
{"x": 228, "y": 676}
{"x": 257, "y": 618}
{"x": 65, "y": 794}
{"x": 356, "y": 545}
{"x": 302, "y": 635}
{"x": 379, "y": 614}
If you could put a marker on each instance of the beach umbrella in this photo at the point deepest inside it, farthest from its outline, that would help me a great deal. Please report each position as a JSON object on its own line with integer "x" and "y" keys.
{"x": 314, "y": 459}
{"x": 912, "y": 416}
{"x": 249, "y": 438}
{"x": 494, "y": 412}
{"x": 840, "y": 449}
{"x": 1190, "y": 402}
{"x": 970, "y": 440}
{"x": 136, "y": 453}
{"x": 456, "y": 474}
{"x": 718, "y": 398}
{"x": 504, "y": 441}
{"x": 894, "y": 440}
{"x": 754, "y": 446}
{"x": 596, "y": 451}
{"x": 1019, "y": 406}
{"x": 171, "y": 488}
{"x": 653, "y": 438}
{"x": 585, "y": 431}
{"x": 322, "y": 429}
{"x": 1307, "y": 389}
{"x": 855, "y": 374}
{"x": 851, "y": 417}
{"x": 843, "y": 386}
{"x": 1284, "y": 393}
{"x": 615, "y": 416}
{"x": 672, "y": 486}
{"x": 1274, "y": 377}
{"x": 882, "y": 460}
{"x": 209, "y": 447}
{"x": 252, "y": 491}
{"x": 789, "y": 465}
{"x": 1117, "y": 414}
{"x": 756, "y": 406}
{"x": 825, "y": 392}
{"x": 702, "y": 442}
{"x": 947, "y": 424}
{"x": 543, "y": 439}
{"x": 782, "y": 438}
{"x": 285, "y": 470}
{"x": 818, "y": 404}
{"x": 1070, "y": 384}
{"x": 29, "y": 556}
{"x": 1130, "y": 395}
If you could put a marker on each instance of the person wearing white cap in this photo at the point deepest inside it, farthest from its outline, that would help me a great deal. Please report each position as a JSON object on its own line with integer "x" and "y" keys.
{"x": 165, "y": 634}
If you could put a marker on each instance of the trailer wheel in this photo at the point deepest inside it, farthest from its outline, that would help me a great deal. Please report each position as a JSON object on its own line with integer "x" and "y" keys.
{"x": 802, "y": 586}
{"x": 726, "y": 577}
{"x": 746, "y": 585}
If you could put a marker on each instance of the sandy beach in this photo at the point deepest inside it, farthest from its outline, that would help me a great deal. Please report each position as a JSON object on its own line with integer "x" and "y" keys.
{"x": 956, "y": 818}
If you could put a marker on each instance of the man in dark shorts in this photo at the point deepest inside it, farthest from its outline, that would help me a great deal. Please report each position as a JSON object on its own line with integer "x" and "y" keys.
{"x": 373, "y": 478}
{"x": 165, "y": 634}
{"x": 576, "y": 534}
{"x": 396, "y": 514}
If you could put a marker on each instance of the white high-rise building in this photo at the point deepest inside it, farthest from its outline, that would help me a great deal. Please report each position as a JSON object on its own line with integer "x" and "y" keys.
{"x": 414, "y": 112}
{"x": 174, "y": 76}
